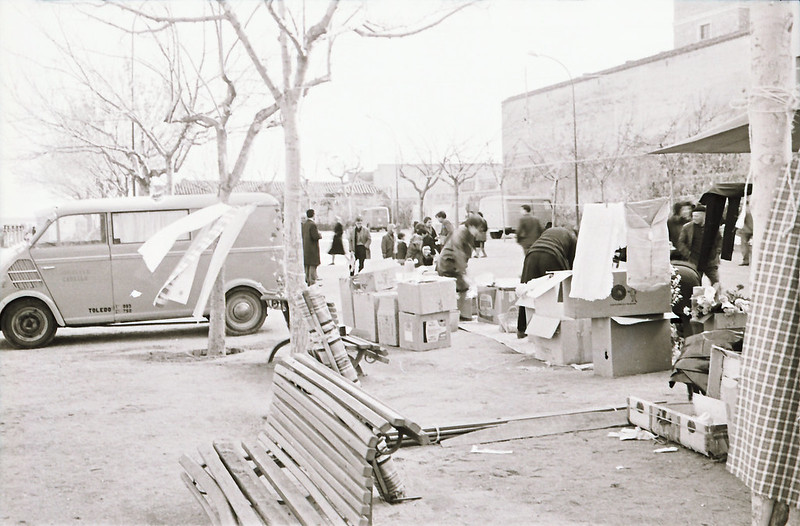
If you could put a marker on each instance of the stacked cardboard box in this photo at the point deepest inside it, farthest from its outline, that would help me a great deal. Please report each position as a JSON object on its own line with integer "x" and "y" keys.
{"x": 723, "y": 378}
{"x": 425, "y": 307}
{"x": 620, "y": 345}
{"x": 360, "y": 297}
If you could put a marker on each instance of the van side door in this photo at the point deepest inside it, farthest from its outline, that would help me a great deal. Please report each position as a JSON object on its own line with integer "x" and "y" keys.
{"x": 73, "y": 259}
{"x": 135, "y": 287}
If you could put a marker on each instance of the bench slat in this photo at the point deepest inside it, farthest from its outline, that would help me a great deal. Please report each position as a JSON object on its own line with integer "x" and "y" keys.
{"x": 241, "y": 507}
{"x": 326, "y": 383}
{"x": 322, "y": 417}
{"x": 345, "y": 505}
{"x": 256, "y": 492}
{"x": 394, "y": 418}
{"x": 358, "y": 469}
{"x": 216, "y": 498}
{"x": 210, "y": 512}
{"x": 286, "y": 488}
{"x": 334, "y": 471}
{"x": 352, "y": 417}
{"x": 313, "y": 490}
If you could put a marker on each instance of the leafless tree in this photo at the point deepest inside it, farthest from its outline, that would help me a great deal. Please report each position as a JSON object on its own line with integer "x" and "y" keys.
{"x": 347, "y": 174}
{"x": 455, "y": 172}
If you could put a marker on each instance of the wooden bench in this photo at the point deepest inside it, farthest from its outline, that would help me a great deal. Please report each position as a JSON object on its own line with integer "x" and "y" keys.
{"x": 316, "y": 461}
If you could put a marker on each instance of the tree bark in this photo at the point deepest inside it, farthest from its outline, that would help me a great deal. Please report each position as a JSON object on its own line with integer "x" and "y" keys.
{"x": 770, "y": 117}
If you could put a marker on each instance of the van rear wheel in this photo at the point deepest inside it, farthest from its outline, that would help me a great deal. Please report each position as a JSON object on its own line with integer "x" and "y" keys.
{"x": 245, "y": 312}
{"x": 28, "y": 323}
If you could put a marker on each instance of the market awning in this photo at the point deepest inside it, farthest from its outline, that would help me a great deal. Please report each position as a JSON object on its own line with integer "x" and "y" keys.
{"x": 730, "y": 137}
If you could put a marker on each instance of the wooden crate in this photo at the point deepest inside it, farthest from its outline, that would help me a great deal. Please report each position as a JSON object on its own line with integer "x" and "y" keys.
{"x": 678, "y": 423}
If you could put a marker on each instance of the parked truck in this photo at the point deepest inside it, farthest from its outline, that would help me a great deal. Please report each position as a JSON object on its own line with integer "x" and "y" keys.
{"x": 376, "y": 217}
{"x": 502, "y": 213}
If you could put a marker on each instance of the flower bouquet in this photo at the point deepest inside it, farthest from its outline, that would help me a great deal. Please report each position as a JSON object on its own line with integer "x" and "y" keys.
{"x": 723, "y": 310}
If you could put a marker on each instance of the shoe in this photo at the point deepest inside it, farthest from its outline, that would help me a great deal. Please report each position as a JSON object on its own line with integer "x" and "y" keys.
{"x": 464, "y": 318}
{"x": 744, "y": 264}
{"x": 521, "y": 335}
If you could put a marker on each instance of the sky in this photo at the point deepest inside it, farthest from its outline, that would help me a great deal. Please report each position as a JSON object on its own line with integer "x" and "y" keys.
{"x": 391, "y": 100}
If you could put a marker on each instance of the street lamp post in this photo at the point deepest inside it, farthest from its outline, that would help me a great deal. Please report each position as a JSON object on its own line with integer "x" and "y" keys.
{"x": 574, "y": 129}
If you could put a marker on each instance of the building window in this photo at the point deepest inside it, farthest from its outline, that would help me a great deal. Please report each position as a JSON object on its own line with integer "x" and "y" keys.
{"x": 705, "y": 31}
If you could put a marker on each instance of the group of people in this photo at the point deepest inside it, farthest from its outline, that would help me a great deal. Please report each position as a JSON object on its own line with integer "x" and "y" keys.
{"x": 358, "y": 243}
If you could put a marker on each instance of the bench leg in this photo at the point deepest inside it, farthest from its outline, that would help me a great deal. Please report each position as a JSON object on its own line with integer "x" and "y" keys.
{"x": 277, "y": 347}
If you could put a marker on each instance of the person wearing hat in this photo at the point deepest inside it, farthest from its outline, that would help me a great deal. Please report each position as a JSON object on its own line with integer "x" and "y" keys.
{"x": 690, "y": 244}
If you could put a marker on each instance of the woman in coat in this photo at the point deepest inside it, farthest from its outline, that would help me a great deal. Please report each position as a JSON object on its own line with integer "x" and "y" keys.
{"x": 337, "y": 247}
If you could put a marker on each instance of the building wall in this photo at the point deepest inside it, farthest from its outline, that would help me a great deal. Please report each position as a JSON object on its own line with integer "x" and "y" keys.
{"x": 621, "y": 114}
{"x": 721, "y": 18}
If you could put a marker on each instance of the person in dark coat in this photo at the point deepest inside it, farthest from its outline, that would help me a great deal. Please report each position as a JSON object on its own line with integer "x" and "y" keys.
{"x": 337, "y": 247}
{"x": 429, "y": 236}
{"x": 553, "y": 250}
{"x": 529, "y": 228}
{"x": 456, "y": 253}
{"x": 402, "y": 246}
{"x": 681, "y": 214}
{"x": 446, "y": 230}
{"x": 311, "y": 237}
{"x": 387, "y": 243}
{"x": 480, "y": 239}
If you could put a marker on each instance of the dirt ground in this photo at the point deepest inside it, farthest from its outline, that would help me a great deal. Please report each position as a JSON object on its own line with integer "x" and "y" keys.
{"x": 92, "y": 428}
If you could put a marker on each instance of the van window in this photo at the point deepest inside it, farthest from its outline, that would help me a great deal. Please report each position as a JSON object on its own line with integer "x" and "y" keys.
{"x": 82, "y": 229}
{"x": 138, "y": 227}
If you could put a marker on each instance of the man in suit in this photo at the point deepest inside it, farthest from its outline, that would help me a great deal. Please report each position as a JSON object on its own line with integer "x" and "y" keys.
{"x": 311, "y": 237}
{"x": 529, "y": 229}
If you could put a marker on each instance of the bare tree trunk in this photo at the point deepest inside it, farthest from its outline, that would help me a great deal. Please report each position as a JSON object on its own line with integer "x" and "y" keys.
{"x": 456, "y": 192}
{"x": 293, "y": 241}
{"x": 216, "y": 317}
{"x": 770, "y": 117}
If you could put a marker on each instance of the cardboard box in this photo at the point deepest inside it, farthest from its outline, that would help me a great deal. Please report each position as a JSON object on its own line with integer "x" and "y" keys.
{"x": 720, "y": 320}
{"x": 723, "y": 377}
{"x": 365, "y": 311}
{"x": 467, "y": 307}
{"x": 494, "y": 301}
{"x": 679, "y": 423}
{"x": 454, "y": 315}
{"x": 428, "y": 295}
{"x": 388, "y": 321}
{"x": 549, "y": 295}
{"x": 560, "y": 341}
{"x": 623, "y": 346}
{"x": 346, "y": 296}
{"x": 422, "y": 332}
{"x": 377, "y": 279}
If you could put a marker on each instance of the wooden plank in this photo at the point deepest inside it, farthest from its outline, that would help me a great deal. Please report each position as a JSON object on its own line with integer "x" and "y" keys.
{"x": 216, "y": 498}
{"x": 251, "y": 486}
{"x": 360, "y": 439}
{"x": 538, "y": 427}
{"x": 241, "y": 507}
{"x": 318, "y": 328}
{"x": 315, "y": 448}
{"x": 317, "y": 385}
{"x": 341, "y": 499}
{"x": 316, "y": 494}
{"x": 284, "y": 486}
{"x": 327, "y": 381}
{"x": 340, "y": 436}
{"x": 387, "y": 413}
{"x": 212, "y": 515}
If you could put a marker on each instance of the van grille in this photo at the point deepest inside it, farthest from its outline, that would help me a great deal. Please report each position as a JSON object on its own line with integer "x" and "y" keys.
{"x": 23, "y": 274}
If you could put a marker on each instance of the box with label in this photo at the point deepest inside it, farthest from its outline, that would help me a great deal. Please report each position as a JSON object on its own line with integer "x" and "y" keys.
{"x": 494, "y": 301}
{"x": 544, "y": 294}
{"x": 623, "y": 346}
{"x": 679, "y": 423}
{"x": 388, "y": 321}
{"x": 365, "y": 311}
{"x": 560, "y": 341}
{"x": 422, "y": 332}
{"x": 467, "y": 307}
{"x": 376, "y": 279}
{"x": 427, "y": 295}
{"x": 346, "y": 296}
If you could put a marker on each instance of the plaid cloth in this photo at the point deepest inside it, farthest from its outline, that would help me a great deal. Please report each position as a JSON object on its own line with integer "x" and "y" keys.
{"x": 765, "y": 446}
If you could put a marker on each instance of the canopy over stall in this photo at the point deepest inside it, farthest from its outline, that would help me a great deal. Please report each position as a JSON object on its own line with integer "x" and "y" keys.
{"x": 730, "y": 137}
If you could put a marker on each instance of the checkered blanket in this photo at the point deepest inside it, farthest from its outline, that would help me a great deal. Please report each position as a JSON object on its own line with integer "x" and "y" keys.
{"x": 765, "y": 446}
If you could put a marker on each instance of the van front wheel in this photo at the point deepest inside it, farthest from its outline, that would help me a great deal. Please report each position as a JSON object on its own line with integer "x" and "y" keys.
{"x": 28, "y": 323}
{"x": 245, "y": 312}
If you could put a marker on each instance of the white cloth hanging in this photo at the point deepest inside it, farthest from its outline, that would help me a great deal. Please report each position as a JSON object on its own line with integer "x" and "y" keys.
{"x": 602, "y": 233}
{"x": 648, "y": 244}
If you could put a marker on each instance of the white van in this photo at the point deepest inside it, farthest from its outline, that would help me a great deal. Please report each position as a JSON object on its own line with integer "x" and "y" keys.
{"x": 81, "y": 267}
{"x": 502, "y": 213}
